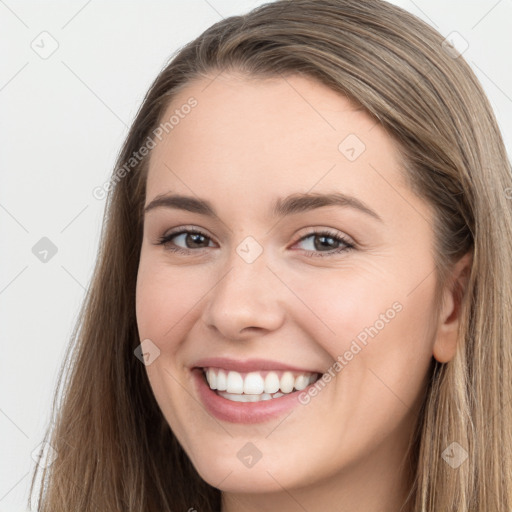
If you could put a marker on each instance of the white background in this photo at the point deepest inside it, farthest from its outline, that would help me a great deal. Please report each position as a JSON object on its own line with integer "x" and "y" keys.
{"x": 63, "y": 120}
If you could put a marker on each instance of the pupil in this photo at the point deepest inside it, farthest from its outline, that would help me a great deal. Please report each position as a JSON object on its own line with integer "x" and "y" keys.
{"x": 323, "y": 239}
{"x": 195, "y": 236}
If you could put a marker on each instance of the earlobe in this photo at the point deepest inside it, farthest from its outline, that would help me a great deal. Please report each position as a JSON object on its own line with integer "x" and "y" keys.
{"x": 445, "y": 345}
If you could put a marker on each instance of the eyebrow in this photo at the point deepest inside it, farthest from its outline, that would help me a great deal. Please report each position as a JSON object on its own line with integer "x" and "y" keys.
{"x": 293, "y": 204}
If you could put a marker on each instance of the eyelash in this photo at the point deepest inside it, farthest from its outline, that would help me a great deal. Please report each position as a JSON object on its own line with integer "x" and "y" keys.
{"x": 347, "y": 246}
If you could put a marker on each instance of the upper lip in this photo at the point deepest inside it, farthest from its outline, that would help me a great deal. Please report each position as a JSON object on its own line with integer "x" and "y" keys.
{"x": 248, "y": 365}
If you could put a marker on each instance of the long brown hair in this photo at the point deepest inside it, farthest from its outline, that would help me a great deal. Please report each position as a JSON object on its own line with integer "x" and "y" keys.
{"x": 115, "y": 451}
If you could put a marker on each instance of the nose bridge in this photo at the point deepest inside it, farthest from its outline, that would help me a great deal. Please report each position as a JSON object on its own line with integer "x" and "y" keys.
{"x": 245, "y": 297}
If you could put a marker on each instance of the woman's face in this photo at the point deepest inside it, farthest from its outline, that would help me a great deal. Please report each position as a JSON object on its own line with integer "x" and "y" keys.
{"x": 313, "y": 257}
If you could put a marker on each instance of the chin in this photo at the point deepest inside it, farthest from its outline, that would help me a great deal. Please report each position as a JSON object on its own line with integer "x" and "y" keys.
{"x": 228, "y": 478}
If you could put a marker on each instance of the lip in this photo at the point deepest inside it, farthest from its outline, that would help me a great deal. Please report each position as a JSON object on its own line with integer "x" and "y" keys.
{"x": 249, "y": 365}
{"x": 243, "y": 412}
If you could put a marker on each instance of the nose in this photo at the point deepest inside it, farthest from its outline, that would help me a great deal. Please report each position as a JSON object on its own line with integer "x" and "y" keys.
{"x": 247, "y": 300}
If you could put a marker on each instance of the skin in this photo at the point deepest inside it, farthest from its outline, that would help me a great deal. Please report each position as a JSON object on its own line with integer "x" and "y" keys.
{"x": 246, "y": 143}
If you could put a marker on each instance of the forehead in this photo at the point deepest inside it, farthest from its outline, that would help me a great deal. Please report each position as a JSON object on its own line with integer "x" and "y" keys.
{"x": 284, "y": 118}
{"x": 251, "y": 140}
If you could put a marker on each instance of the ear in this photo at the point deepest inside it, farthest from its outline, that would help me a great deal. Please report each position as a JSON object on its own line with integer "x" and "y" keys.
{"x": 445, "y": 345}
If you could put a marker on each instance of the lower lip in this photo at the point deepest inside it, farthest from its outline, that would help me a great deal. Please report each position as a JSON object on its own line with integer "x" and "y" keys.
{"x": 243, "y": 412}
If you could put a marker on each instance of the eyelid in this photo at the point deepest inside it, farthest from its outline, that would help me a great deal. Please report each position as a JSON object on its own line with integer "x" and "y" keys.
{"x": 347, "y": 242}
{"x": 326, "y": 231}
{"x": 188, "y": 228}
{"x": 310, "y": 231}
{"x": 181, "y": 230}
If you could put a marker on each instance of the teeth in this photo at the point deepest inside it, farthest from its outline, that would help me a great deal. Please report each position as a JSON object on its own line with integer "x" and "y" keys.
{"x": 246, "y": 398}
{"x": 256, "y": 386}
{"x": 222, "y": 382}
{"x": 287, "y": 382}
{"x": 235, "y": 383}
{"x": 253, "y": 384}
{"x": 212, "y": 378}
{"x": 249, "y": 398}
{"x": 301, "y": 382}
{"x": 271, "y": 382}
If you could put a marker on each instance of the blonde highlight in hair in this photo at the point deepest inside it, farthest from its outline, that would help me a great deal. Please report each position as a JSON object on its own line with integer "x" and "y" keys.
{"x": 115, "y": 449}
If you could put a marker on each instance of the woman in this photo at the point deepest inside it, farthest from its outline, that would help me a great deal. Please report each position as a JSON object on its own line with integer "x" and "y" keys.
{"x": 302, "y": 298}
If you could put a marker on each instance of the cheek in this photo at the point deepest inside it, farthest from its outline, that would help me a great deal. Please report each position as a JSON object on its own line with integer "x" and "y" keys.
{"x": 379, "y": 334}
{"x": 346, "y": 306}
{"x": 391, "y": 368}
{"x": 165, "y": 299}
{"x": 381, "y": 353}
{"x": 366, "y": 303}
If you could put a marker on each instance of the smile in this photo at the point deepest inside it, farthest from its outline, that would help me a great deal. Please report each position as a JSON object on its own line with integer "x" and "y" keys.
{"x": 250, "y": 391}
{"x": 256, "y": 386}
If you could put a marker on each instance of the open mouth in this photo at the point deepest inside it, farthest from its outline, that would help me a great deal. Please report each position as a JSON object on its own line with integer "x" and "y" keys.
{"x": 256, "y": 386}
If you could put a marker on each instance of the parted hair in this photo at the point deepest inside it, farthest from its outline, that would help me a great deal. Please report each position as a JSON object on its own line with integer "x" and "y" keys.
{"x": 115, "y": 451}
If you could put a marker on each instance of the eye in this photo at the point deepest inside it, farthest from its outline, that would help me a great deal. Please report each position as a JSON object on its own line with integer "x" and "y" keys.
{"x": 318, "y": 243}
{"x": 191, "y": 239}
{"x": 325, "y": 243}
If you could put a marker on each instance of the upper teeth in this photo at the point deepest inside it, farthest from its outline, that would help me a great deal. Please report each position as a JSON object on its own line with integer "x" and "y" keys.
{"x": 255, "y": 383}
